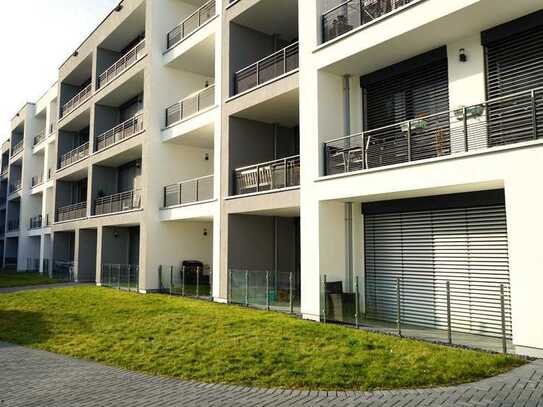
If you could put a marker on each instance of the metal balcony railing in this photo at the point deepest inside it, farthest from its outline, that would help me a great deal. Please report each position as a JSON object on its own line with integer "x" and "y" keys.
{"x": 120, "y": 132}
{"x": 355, "y": 13}
{"x": 35, "y": 222}
{"x": 72, "y": 212}
{"x": 191, "y": 24}
{"x": 15, "y": 186}
{"x": 268, "y": 68}
{"x": 123, "y": 63}
{"x": 13, "y": 225}
{"x": 39, "y": 138}
{"x": 190, "y": 191}
{"x": 499, "y": 122}
{"x": 4, "y": 170}
{"x": 36, "y": 180}
{"x": 74, "y": 155}
{"x": 121, "y": 202}
{"x": 190, "y": 105}
{"x": 17, "y": 148}
{"x": 283, "y": 173}
{"x": 76, "y": 101}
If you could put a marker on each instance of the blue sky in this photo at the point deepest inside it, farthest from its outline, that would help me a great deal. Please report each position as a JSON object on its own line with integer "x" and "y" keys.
{"x": 36, "y": 36}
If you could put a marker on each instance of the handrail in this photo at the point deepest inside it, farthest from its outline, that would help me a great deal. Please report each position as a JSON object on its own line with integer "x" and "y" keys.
{"x": 74, "y": 155}
{"x": 270, "y": 67}
{"x": 190, "y": 105}
{"x": 179, "y": 33}
{"x": 36, "y": 180}
{"x": 71, "y": 212}
{"x": 122, "y": 64}
{"x": 13, "y": 225}
{"x": 15, "y": 187}
{"x": 76, "y": 101}
{"x": 36, "y": 222}
{"x": 17, "y": 148}
{"x": 495, "y": 122}
{"x": 189, "y": 191}
{"x": 267, "y": 176}
{"x": 119, "y": 202}
{"x": 120, "y": 132}
{"x": 39, "y": 137}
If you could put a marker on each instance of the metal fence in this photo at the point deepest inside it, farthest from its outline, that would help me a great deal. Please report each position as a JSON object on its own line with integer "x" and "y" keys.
{"x": 72, "y": 212}
{"x": 77, "y": 100}
{"x": 63, "y": 270}
{"x": 187, "y": 192}
{"x": 120, "y": 276}
{"x": 39, "y": 138}
{"x": 191, "y": 24}
{"x": 17, "y": 148}
{"x": 122, "y": 64}
{"x": 74, "y": 155}
{"x": 36, "y": 180}
{"x": 355, "y": 13}
{"x": 268, "y": 68}
{"x": 453, "y": 312}
{"x": 13, "y": 225}
{"x": 15, "y": 186}
{"x": 121, "y": 202}
{"x": 120, "y": 132}
{"x": 35, "y": 222}
{"x": 186, "y": 281}
{"x": 32, "y": 265}
{"x": 267, "y": 289}
{"x": 283, "y": 173}
{"x": 494, "y": 123}
{"x": 190, "y": 105}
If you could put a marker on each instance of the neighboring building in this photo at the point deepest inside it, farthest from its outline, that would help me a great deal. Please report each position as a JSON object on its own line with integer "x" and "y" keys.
{"x": 309, "y": 156}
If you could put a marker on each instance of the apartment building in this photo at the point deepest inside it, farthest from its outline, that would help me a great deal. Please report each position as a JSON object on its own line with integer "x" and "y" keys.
{"x": 362, "y": 162}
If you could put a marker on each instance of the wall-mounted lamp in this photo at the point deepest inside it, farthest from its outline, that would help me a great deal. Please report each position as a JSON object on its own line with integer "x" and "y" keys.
{"x": 76, "y": 53}
{"x": 119, "y": 7}
{"x": 116, "y": 235}
{"x": 462, "y": 57}
{"x": 205, "y": 231}
{"x": 206, "y": 157}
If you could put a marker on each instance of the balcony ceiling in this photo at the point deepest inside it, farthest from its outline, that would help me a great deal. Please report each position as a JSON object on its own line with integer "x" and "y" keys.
{"x": 199, "y": 59}
{"x": 115, "y": 95}
{"x": 283, "y": 109}
{"x": 124, "y": 157}
{"x": 272, "y": 17}
{"x": 129, "y": 29}
{"x": 81, "y": 73}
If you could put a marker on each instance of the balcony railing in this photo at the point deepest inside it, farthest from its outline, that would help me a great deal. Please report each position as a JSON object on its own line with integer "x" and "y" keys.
{"x": 13, "y": 225}
{"x": 14, "y": 186}
{"x": 4, "y": 170}
{"x": 74, "y": 155}
{"x": 76, "y": 101}
{"x": 499, "y": 122}
{"x": 39, "y": 138}
{"x": 35, "y": 223}
{"x": 190, "y": 105}
{"x": 123, "y": 63}
{"x": 36, "y": 180}
{"x": 283, "y": 173}
{"x": 191, "y": 24}
{"x": 355, "y": 13}
{"x": 121, "y": 202}
{"x": 17, "y": 148}
{"x": 188, "y": 192}
{"x": 120, "y": 132}
{"x": 271, "y": 67}
{"x": 72, "y": 212}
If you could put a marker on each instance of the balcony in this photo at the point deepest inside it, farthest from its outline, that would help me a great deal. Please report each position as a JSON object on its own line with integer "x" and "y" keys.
{"x": 267, "y": 69}
{"x": 76, "y": 101}
{"x": 191, "y": 24}
{"x": 36, "y": 181}
{"x": 14, "y": 186}
{"x": 189, "y": 192}
{"x": 39, "y": 138}
{"x": 17, "y": 148}
{"x": 72, "y": 212}
{"x": 74, "y": 155}
{"x": 36, "y": 222}
{"x": 495, "y": 123}
{"x": 123, "y": 63}
{"x": 273, "y": 175}
{"x": 355, "y": 13}
{"x": 191, "y": 105}
{"x": 4, "y": 170}
{"x": 119, "y": 133}
{"x": 117, "y": 203}
{"x": 13, "y": 225}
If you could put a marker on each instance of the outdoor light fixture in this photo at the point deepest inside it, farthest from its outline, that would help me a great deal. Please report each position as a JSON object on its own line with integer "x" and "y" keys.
{"x": 205, "y": 231}
{"x": 462, "y": 55}
{"x": 207, "y": 157}
{"x": 75, "y": 53}
{"x": 119, "y": 7}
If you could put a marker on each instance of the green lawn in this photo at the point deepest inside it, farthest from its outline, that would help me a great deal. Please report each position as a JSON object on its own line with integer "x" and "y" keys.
{"x": 208, "y": 342}
{"x": 14, "y": 279}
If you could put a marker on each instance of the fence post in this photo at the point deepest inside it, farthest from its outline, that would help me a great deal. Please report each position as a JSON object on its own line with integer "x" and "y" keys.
{"x": 324, "y": 299}
{"x": 290, "y": 297}
{"x": 357, "y": 305}
{"x": 449, "y": 323}
{"x": 137, "y": 278}
{"x": 229, "y": 299}
{"x": 408, "y": 141}
{"x": 502, "y": 306}
{"x": 211, "y": 284}
{"x": 398, "y": 306}
{"x": 160, "y": 287}
{"x": 465, "y": 123}
{"x": 118, "y": 276}
{"x": 171, "y": 279}
{"x": 198, "y": 281}
{"x": 267, "y": 290}
{"x": 246, "y": 288}
{"x": 128, "y": 269}
{"x": 183, "y": 281}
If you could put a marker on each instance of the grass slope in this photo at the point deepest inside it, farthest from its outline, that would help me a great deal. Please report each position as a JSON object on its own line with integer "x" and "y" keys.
{"x": 14, "y": 279}
{"x": 207, "y": 342}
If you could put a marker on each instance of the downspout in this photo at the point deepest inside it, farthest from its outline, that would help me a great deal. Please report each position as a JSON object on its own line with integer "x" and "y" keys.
{"x": 348, "y": 206}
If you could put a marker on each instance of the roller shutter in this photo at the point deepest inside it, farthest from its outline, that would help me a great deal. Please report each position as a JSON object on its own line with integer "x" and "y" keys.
{"x": 425, "y": 249}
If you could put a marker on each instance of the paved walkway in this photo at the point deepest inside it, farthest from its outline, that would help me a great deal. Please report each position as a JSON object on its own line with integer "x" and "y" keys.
{"x": 31, "y": 377}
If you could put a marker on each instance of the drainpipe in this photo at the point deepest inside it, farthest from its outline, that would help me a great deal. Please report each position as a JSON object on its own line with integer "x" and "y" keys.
{"x": 348, "y": 205}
